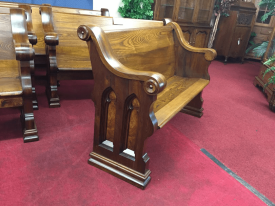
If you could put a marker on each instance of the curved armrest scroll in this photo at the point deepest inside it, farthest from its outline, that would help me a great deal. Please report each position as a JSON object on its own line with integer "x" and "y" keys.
{"x": 23, "y": 49}
{"x": 209, "y": 54}
{"x": 32, "y": 36}
{"x": 153, "y": 82}
{"x": 51, "y": 37}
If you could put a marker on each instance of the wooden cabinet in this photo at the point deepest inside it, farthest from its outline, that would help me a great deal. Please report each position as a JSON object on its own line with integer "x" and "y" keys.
{"x": 234, "y": 31}
{"x": 259, "y": 80}
{"x": 262, "y": 29}
{"x": 193, "y": 16}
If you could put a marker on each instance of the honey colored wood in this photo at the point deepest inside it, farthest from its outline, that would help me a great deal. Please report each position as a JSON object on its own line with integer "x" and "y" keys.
{"x": 143, "y": 77}
{"x": 234, "y": 31}
{"x": 15, "y": 68}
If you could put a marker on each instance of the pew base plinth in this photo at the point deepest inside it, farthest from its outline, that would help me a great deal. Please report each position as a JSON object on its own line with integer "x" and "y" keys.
{"x": 120, "y": 171}
{"x": 53, "y": 102}
{"x": 35, "y": 105}
{"x": 192, "y": 111}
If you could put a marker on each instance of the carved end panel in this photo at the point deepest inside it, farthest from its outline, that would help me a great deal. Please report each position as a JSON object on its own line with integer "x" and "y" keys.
{"x": 108, "y": 114}
{"x": 131, "y": 127}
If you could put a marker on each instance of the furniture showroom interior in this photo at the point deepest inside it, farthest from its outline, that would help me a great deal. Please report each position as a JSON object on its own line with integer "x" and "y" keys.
{"x": 137, "y": 102}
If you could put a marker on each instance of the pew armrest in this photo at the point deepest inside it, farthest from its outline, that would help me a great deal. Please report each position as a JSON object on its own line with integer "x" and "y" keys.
{"x": 153, "y": 82}
{"x": 31, "y": 34}
{"x": 209, "y": 54}
{"x": 194, "y": 61}
{"x": 50, "y": 36}
{"x": 23, "y": 49}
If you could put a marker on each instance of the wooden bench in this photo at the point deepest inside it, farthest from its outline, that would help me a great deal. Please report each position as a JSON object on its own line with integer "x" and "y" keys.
{"x": 16, "y": 54}
{"x": 70, "y": 59}
{"x": 40, "y": 53}
{"x": 142, "y": 78}
{"x": 68, "y": 56}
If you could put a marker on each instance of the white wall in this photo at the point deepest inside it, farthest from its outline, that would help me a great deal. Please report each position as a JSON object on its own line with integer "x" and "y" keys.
{"x": 112, "y": 5}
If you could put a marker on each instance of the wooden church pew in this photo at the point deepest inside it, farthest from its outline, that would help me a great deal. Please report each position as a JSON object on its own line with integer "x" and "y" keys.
{"x": 16, "y": 54}
{"x": 68, "y": 56}
{"x": 142, "y": 78}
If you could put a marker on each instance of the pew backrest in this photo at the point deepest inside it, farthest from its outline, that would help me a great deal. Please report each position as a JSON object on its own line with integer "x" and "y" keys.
{"x": 64, "y": 26}
{"x": 145, "y": 49}
{"x": 36, "y": 30}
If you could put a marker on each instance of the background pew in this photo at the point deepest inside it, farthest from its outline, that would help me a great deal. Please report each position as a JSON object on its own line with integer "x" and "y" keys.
{"x": 15, "y": 68}
{"x": 68, "y": 56}
{"x": 142, "y": 78}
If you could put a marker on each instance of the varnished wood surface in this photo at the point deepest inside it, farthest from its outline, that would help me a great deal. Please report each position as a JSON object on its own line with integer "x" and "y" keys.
{"x": 10, "y": 87}
{"x": 134, "y": 23}
{"x": 142, "y": 78}
{"x": 71, "y": 52}
{"x": 15, "y": 68}
{"x": 37, "y": 23}
{"x": 138, "y": 49}
{"x": 178, "y": 93}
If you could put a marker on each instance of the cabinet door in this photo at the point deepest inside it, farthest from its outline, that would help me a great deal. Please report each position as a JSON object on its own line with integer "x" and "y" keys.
{"x": 187, "y": 33}
{"x": 200, "y": 38}
{"x": 186, "y": 10}
{"x": 164, "y": 9}
{"x": 239, "y": 41}
{"x": 205, "y": 11}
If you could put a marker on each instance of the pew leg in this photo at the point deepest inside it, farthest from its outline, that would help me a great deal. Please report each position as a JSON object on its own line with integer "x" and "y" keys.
{"x": 27, "y": 120}
{"x": 51, "y": 88}
{"x": 194, "y": 107}
{"x": 52, "y": 92}
{"x": 34, "y": 98}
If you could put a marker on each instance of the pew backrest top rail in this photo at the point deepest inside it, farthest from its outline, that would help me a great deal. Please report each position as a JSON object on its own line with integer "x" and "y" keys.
{"x": 146, "y": 54}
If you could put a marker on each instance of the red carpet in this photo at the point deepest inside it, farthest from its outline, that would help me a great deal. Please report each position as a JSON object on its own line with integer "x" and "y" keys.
{"x": 54, "y": 171}
{"x": 237, "y": 127}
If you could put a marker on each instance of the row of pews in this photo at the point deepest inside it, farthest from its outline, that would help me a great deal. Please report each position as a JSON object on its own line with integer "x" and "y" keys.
{"x": 144, "y": 73}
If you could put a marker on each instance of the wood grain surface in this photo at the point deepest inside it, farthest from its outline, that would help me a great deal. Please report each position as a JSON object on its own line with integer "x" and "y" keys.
{"x": 16, "y": 54}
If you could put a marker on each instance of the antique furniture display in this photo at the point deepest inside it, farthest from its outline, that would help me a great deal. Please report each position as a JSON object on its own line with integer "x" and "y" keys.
{"x": 15, "y": 68}
{"x": 259, "y": 80}
{"x": 142, "y": 78}
{"x": 193, "y": 16}
{"x": 234, "y": 31}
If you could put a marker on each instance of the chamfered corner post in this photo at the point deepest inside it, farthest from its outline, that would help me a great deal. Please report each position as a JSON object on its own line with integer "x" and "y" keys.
{"x": 24, "y": 54}
{"x": 51, "y": 40}
{"x": 33, "y": 40}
